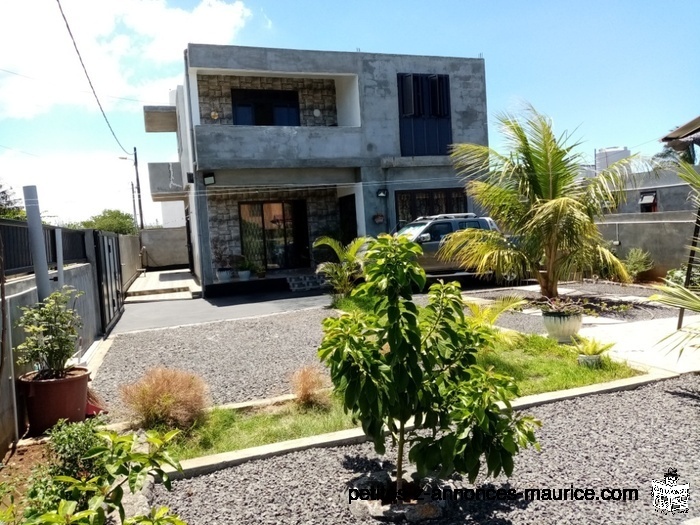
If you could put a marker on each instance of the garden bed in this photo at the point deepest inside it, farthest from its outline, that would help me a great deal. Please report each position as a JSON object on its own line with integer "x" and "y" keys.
{"x": 618, "y": 440}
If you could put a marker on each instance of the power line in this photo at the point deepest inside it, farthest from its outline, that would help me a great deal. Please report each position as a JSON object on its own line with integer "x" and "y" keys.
{"x": 75, "y": 45}
{"x": 19, "y": 151}
{"x": 9, "y": 72}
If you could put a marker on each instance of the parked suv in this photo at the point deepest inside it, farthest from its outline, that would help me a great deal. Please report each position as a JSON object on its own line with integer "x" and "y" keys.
{"x": 430, "y": 231}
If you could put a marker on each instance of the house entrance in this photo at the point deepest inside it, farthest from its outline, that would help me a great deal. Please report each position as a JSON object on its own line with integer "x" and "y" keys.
{"x": 275, "y": 235}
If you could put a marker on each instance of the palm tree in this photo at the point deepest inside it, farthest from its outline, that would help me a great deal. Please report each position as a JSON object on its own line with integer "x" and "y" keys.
{"x": 537, "y": 193}
{"x": 342, "y": 275}
{"x": 673, "y": 294}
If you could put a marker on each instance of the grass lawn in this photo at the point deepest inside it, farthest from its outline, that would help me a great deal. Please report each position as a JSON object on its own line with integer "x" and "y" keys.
{"x": 539, "y": 365}
{"x": 227, "y": 430}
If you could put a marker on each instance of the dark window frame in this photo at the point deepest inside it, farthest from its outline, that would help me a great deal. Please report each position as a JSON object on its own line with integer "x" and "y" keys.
{"x": 425, "y": 118}
{"x": 263, "y": 104}
{"x": 450, "y": 204}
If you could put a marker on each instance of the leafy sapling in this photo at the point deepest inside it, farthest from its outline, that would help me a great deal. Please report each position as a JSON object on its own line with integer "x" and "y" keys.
{"x": 392, "y": 365}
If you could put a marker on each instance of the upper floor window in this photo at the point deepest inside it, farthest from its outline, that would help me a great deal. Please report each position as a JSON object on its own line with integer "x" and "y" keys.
{"x": 425, "y": 124}
{"x": 265, "y": 107}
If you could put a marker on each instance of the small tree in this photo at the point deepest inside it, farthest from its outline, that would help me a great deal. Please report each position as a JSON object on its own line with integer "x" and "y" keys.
{"x": 342, "y": 275}
{"x": 390, "y": 367}
{"x": 10, "y": 207}
{"x": 112, "y": 221}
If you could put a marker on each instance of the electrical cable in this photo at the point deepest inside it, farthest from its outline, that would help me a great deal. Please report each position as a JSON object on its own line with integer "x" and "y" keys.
{"x": 75, "y": 45}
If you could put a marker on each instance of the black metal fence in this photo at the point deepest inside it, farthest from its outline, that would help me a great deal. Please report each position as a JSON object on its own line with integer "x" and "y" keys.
{"x": 18, "y": 257}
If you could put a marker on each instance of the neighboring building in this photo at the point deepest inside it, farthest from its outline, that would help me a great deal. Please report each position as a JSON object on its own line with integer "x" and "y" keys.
{"x": 278, "y": 147}
{"x": 658, "y": 215}
{"x": 604, "y": 157}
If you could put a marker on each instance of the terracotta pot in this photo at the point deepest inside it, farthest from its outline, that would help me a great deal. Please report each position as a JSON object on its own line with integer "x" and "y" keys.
{"x": 560, "y": 326}
{"x": 49, "y": 400}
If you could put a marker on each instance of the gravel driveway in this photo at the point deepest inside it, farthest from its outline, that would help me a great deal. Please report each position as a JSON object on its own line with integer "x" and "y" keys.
{"x": 619, "y": 440}
{"x": 240, "y": 360}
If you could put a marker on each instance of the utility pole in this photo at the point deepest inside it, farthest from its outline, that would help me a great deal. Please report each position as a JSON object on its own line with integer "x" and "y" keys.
{"x": 133, "y": 202}
{"x": 138, "y": 187}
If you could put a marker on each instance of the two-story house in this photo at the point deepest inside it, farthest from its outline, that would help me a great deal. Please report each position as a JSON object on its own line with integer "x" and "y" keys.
{"x": 278, "y": 147}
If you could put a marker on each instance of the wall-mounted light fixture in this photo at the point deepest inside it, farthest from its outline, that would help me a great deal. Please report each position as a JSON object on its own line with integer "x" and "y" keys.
{"x": 190, "y": 178}
{"x": 382, "y": 193}
{"x": 209, "y": 179}
{"x": 317, "y": 112}
{"x": 214, "y": 115}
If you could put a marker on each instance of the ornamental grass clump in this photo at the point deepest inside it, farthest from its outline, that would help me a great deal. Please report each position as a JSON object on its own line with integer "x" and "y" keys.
{"x": 307, "y": 386}
{"x": 169, "y": 397}
{"x": 390, "y": 365}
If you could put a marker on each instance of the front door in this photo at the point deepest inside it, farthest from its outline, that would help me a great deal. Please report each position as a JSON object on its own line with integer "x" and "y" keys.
{"x": 275, "y": 235}
{"x": 429, "y": 261}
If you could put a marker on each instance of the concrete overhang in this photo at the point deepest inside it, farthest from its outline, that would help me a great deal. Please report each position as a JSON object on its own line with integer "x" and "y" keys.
{"x": 159, "y": 119}
{"x": 166, "y": 181}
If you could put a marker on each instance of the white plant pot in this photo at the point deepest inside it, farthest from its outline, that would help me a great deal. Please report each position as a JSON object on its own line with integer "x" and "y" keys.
{"x": 224, "y": 276}
{"x": 561, "y": 327}
{"x": 591, "y": 361}
{"x": 244, "y": 275}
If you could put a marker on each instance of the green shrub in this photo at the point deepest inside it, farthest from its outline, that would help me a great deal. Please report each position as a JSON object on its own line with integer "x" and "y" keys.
{"x": 69, "y": 444}
{"x": 677, "y": 275}
{"x": 637, "y": 261}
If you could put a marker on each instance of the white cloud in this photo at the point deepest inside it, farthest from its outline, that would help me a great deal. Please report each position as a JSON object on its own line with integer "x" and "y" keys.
{"x": 129, "y": 48}
{"x": 74, "y": 186}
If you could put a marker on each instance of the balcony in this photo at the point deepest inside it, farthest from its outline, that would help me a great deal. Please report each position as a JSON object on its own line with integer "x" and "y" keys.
{"x": 221, "y": 146}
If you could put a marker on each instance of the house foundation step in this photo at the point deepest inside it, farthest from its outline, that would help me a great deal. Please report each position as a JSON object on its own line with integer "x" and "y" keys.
{"x": 303, "y": 283}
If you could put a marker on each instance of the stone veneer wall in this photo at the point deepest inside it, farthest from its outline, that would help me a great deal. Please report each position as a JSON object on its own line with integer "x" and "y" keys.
{"x": 224, "y": 226}
{"x": 314, "y": 93}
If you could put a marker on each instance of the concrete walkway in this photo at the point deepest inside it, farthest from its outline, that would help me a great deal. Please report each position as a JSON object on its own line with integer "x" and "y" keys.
{"x": 163, "y": 286}
{"x": 165, "y": 314}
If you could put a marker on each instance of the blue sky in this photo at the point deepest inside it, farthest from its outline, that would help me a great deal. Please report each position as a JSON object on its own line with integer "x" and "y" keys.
{"x": 618, "y": 73}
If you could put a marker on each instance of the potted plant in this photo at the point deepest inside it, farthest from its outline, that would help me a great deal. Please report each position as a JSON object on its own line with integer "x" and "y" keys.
{"x": 244, "y": 267}
{"x": 562, "y": 319}
{"x": 590, "y": 351}
{"x": 224, "y": 272}
{"x": 260, "y": 271}
{"x": 54, "y": 390}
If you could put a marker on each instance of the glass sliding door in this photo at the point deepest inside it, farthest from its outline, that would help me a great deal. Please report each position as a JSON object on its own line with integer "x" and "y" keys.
{"x": 275, "y": 235}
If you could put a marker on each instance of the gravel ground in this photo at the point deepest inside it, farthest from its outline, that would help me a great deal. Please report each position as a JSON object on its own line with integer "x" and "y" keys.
{"x": 533, "y": 324}
{"x": 240, "y": 360}
{"x": 619, "y": 440}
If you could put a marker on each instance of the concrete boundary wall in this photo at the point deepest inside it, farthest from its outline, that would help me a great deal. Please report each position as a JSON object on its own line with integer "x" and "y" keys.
{"x": 130, "y": 255}
{"x": 164, "y": 247}
{"x": 666, "y": 236}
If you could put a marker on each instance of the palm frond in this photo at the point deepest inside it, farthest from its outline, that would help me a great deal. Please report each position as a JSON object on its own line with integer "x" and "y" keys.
{"x": 484, "y": 251}
{"x": 333, "y": 244}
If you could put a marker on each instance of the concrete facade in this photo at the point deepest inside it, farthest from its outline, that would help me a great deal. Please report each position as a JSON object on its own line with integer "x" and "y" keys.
{"x": 348, "y": 144}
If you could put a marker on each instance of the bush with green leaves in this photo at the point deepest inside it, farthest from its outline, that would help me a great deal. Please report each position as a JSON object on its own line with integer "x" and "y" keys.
{"x": 68, "y": 446}
{"x": 677, "y": 275}
{"x": 51, "y": 333}
{"x": 637, "y": 261}
{"x": 392, "y": 366}
{"x": 122, "y": 464}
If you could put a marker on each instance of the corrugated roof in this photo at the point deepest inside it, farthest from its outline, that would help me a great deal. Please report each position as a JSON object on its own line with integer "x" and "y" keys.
{"x": 686, "y": 129}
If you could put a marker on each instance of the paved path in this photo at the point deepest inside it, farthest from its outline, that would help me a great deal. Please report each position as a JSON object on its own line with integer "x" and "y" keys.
{"x": 164, "y": 314}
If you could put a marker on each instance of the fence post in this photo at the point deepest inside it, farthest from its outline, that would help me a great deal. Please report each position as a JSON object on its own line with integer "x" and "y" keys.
{"x": 59, "y": 256}
{"x": 36, "y": 242}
